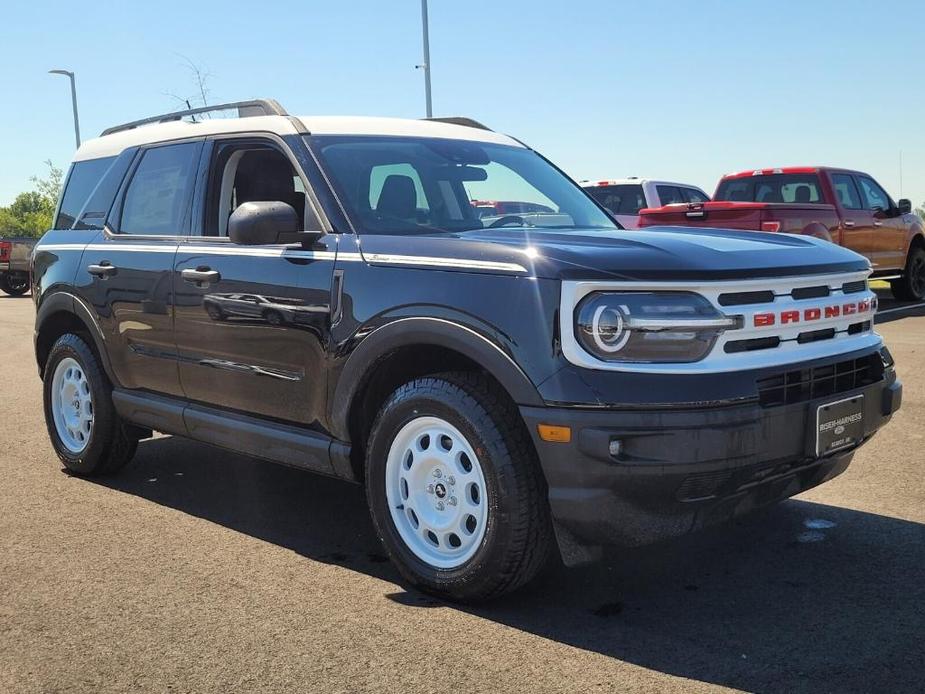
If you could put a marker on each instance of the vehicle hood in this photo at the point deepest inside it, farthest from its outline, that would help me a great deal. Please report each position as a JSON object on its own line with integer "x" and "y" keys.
{"x": 654, "y": 253}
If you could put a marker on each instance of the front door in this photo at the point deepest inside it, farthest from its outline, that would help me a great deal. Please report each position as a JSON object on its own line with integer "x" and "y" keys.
{"x": 128, "y": 268}
{"x": 888, "y": 230}
{"x": 252, "y": 322}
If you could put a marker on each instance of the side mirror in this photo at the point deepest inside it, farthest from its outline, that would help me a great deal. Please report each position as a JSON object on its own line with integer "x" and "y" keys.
{"x": 261, "y": 223}
{"x": 904, "y": 206}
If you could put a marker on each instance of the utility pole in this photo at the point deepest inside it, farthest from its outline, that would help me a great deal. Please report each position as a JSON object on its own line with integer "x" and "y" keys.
{"x": 425, "y": 66}
{"x": 70, "y": 75}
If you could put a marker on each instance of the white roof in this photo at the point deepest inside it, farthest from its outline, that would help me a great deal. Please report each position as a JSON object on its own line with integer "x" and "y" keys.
{"x": 111, "y": 145}
{"x": 593, "y": 183}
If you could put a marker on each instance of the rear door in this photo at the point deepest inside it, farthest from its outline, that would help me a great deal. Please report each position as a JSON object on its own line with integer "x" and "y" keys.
{"x": 252, "y": 322}
{"x": 127, "y": 270}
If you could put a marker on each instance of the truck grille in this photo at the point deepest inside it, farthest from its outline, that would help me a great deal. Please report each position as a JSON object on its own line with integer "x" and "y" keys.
{"x": 802, "y": 385}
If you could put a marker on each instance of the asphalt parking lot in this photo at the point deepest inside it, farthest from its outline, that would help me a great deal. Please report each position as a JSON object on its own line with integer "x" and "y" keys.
{"x": 199, "y": 570}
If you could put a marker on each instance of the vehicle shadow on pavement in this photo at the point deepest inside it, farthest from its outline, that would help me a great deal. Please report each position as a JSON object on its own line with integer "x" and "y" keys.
{"x": 801, "y": 597}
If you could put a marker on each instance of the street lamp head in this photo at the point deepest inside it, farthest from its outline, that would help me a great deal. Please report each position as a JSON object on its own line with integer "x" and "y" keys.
{"x": 61, "y": 72}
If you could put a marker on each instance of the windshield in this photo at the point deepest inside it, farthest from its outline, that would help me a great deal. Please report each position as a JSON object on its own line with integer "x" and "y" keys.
{"x": 405, "y": 185}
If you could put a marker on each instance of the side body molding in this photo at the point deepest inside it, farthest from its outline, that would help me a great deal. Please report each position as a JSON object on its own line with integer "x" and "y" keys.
{"x": 418, "y": 331}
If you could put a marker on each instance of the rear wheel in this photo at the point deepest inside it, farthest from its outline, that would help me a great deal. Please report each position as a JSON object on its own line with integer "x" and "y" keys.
{"x": 455, "y": 489}
{"x": 14, "y": 285}
{"x": 911, "y": 286}
{"x": 85, "y": 431}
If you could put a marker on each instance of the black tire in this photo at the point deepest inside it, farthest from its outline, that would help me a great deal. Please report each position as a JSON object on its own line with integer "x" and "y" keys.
{"x": 215, "y": 313}
{"x": 14, "y": 286}
{"x": 110, "y": 446}
{"x": 911, "y": 286}
{"x": 518, "y": 537}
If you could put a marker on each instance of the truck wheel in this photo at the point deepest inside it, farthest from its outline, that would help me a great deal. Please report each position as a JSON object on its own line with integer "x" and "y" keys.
{"x": 455, "y": 490}
{"x": 87, "y": 434}
{"x": 274, "y": 317}
{"x": 14, "y": 286}
{"x": 911, "y": 286}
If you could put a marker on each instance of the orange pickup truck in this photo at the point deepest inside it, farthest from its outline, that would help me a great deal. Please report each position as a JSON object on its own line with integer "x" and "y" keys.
{"x": 845, "y": 207}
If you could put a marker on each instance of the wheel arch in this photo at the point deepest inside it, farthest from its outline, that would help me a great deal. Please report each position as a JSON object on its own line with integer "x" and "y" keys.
{"x": 409, "y": 348}
{"x": 62, "y": 313}
{"x": 817, "y": 230}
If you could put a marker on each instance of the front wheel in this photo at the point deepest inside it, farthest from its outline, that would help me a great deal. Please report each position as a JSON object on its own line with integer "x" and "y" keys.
{"x": 455, "y": 490}
{"x": 85, "y": 430}
{"x": 14, "y": 285}
{"x": 911, "y": 286}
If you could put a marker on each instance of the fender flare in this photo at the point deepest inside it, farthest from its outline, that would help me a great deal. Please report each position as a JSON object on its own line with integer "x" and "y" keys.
{"x": 439, "y": 332}
{"x": 65, "y": 302}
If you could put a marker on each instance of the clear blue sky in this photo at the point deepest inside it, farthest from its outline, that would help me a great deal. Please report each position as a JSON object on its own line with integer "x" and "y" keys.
{"x": 680, "y": 90}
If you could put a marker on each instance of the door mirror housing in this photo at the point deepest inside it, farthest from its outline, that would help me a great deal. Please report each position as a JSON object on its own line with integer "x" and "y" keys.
{"x": 262, "y": 223}
{"x": 904, "y": 206}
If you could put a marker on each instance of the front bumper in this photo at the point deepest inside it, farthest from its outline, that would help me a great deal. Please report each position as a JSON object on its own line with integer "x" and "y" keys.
{"x": 681, "y": 469}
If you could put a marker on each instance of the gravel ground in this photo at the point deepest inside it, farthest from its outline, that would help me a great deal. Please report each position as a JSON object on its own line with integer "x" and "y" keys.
{"x": 196, "y": 570}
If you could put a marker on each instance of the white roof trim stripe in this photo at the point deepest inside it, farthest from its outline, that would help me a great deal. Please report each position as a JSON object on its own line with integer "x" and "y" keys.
{"x": 112, "y": 145}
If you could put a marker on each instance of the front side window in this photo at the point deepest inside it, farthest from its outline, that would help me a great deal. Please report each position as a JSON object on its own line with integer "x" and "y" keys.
{"x": 694, "y": 195}
{"x": 789, "y": 188}
{"x": 409, "y": 185}
{"x": 875, "y": 198}
{"x": 158, "y": 195}
{"x": 81, "y": 182}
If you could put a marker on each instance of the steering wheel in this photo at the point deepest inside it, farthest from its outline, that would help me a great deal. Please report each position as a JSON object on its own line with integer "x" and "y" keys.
{"x": 508, "y": 219}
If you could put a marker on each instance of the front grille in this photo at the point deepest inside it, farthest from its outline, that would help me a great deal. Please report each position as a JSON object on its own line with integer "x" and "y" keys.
{"x": 802, "y": 385}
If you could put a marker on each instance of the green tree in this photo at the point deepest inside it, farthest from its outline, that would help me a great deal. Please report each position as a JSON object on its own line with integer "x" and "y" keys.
{"x": 920, "y": 211}
{"x": 30, "y": 214}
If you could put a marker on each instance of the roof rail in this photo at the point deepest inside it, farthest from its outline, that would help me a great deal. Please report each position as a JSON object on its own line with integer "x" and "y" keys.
{"x": 254, "y": 107}
{"x": 461, "y": 120}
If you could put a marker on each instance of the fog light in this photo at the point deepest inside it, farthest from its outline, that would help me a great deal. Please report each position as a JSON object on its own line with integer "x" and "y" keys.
{"x": 615, "y": 447}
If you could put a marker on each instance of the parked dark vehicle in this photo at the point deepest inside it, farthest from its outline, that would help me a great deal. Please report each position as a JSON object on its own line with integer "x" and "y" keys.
{"x": 15, "y": 257}
{"x": 504, "y": 390}
{"x": 845, "y": 207}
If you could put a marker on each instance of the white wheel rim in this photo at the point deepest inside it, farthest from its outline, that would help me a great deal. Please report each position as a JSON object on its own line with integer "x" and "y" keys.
{"x": 436, "y": 492}
{"x": 72, "y": 405}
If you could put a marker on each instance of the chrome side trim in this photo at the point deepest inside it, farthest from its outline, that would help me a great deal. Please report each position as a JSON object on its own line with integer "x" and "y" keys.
{"x": 460, "y": 263}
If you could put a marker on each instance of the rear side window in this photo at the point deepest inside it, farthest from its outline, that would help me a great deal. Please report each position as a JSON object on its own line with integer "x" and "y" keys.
{"x": 622, "y": 199}
{"x": 693, "y": 195}
{"x": 81, "y": 182}
{"x": 789, "y": 188}
{"x": 847, "y": 192}
{"x": 157, "y": 198}
{"x": 669, "y": 195}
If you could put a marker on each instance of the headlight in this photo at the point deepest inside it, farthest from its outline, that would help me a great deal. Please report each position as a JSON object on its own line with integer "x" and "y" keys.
{"x": 637, "y": 327}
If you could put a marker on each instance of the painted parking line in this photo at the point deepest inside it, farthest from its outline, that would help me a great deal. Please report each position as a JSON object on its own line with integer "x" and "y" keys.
{"x": 901, "y": 308}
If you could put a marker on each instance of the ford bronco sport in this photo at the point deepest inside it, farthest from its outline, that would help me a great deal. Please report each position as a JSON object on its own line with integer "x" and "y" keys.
{"x": 503, "y": 389}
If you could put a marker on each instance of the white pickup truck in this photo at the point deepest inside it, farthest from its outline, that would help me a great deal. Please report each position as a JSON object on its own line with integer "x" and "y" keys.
{"x": 624, "y": 197}
{"x": 15, "y": 254}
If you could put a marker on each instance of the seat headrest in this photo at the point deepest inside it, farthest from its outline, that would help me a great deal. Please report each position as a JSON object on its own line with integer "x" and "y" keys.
{"x": 802, "y": 194}
{"x": 398, "y": 197}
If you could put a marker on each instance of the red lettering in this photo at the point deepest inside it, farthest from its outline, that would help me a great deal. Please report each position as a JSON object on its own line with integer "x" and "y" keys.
{"x": 848, "y": 309}
{"x": 789, "y": 317}
{"x": 832, "y": 311}
{"x": 863, "y": 306}
{"x": 763, "y": 320}
{"x": 812, "y": 314}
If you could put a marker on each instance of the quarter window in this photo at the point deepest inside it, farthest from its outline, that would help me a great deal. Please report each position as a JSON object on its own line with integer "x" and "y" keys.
{"x": 669, "y": 195}
{"x": 158, "y": 196}
{"x": 82, "y": 181}
{"x": 693, "y": 195}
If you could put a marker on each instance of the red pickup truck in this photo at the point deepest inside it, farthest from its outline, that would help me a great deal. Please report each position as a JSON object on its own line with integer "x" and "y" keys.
{"x": 846, "y": 207}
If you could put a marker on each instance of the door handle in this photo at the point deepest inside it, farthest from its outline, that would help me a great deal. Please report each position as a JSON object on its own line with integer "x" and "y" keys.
{"x": 102, "y": 270}
{"x": 201, "y": 276}
{"x": 848, "y": 223}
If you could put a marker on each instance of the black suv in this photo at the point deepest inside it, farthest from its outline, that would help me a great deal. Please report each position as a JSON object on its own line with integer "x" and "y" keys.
{"x": 322, "y": 292}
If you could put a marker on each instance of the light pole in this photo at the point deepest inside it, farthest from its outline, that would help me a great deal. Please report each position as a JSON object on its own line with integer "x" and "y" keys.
{"x": 426, "y": 65}
{"x": 73, "y": 101}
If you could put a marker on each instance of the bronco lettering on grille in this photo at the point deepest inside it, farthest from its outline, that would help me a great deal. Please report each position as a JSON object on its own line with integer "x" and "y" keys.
{"x": 808, "y": 315}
